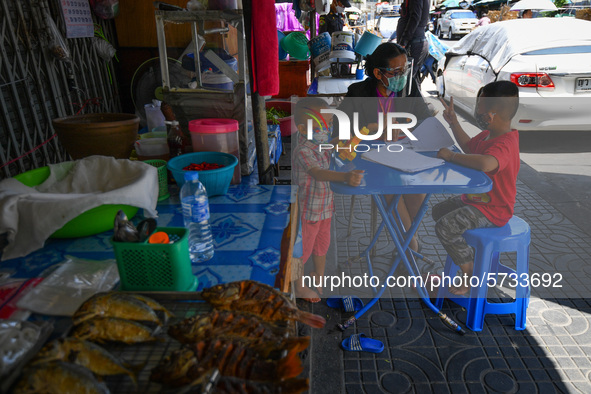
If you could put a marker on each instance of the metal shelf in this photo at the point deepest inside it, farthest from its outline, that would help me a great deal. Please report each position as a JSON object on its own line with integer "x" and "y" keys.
{"x": 203, "y": 102}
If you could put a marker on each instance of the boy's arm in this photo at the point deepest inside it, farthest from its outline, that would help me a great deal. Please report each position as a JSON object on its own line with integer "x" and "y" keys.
{"x": 353, "y": 178}
{"x": 486, "y": 163}
{"x": 449, "y": 114}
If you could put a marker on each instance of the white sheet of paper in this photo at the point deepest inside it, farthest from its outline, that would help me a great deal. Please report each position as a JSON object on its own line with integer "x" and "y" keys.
{"x": 407, "y": 160}
{"x": 431, "y": 136}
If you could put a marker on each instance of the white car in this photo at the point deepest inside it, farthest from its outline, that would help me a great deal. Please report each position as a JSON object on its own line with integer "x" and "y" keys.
{"x": 549, "y": 59}
{"x": 456, "y": 22}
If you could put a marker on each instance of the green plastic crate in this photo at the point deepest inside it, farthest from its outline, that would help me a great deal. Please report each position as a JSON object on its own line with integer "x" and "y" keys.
{"x": 156, "y": 267}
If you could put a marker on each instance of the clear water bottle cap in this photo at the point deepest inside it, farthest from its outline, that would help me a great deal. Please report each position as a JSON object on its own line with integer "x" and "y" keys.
{"x": 191, "y": 175}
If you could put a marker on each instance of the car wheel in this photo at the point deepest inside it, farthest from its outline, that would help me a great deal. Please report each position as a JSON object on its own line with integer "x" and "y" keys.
{"x": 439, "y": 33}
{"x": 450, "y": 34}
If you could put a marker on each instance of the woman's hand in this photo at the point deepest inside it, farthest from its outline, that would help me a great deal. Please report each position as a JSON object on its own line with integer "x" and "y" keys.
{"x": 449, "y": 114}
{"x": 445, "y": 154}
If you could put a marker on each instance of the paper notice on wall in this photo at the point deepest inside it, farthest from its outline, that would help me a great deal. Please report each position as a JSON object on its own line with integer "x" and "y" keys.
{"x": 78, "y": 18}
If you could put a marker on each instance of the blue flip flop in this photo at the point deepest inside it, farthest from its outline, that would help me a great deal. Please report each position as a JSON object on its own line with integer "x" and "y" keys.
{"x": 361, "y": 343}
{"x": 346, "y": 303}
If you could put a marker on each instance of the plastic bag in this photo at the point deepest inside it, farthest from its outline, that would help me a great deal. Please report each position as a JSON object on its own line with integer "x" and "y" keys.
{"x": 64, "y": 290}
{"x": 19, "y": 341}
{"x": 437, "y": 49}
{"x": 106, "y": 9}
{"x": 103, "y": 48}
{"x": 57, "y": 44}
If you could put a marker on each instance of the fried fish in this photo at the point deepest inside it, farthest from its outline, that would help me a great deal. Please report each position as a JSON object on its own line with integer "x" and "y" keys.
{"x": 259, "y": 299}
{"x": 227, "y": 323}
{"x": 86, "y": 354}
{"x": 115, "y": 304}
{"x": 58, "y": 378}
{"x": 231, "y": 357}
{"x": 112, "y": 329}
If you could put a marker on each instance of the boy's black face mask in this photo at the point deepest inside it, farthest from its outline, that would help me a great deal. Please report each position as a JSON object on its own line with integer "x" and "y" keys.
{"x": 484, "y": 120}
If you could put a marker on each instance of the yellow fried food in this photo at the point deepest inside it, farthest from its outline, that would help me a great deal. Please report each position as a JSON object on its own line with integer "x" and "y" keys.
{"x": 59, "y": 378}
{"x": 84, "y": 353}
{"x": 113, "y": 329}
{"x": 115, "y": 305}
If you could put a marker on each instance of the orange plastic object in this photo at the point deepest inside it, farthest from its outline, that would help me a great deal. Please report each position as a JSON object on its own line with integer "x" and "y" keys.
{"x": 345, "y": 154}
{"x": 159, "y": 237}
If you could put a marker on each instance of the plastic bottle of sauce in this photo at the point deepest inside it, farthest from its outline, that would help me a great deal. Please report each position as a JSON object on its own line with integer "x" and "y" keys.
{"x": 178, "y": 143}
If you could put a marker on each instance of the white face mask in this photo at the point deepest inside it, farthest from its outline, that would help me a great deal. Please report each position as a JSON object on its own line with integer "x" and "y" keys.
{"x": 340, "y": 9}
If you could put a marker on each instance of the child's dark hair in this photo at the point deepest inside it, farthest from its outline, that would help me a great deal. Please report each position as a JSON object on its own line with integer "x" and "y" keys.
{"x": 380, "y": 58}
{"x": 506, "y": 89}
{"x": 305, "y": 105}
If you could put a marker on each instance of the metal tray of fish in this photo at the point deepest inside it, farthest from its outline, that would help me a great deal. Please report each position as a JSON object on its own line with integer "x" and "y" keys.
{"x": 148, "y": 355}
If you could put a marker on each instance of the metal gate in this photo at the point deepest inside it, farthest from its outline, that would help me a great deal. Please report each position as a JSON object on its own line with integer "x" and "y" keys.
{"x": 36, "y": 87}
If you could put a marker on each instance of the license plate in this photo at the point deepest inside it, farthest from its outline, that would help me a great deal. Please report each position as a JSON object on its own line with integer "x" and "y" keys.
{"x": 583, "y": 85}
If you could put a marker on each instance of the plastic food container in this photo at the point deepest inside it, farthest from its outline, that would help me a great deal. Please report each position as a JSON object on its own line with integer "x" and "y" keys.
{"x": 217, "y": 135}
{"x": 152, "y": 149}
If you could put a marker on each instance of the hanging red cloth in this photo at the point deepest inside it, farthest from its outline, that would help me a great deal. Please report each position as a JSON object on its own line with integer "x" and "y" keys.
{"x": 264, "y": 46}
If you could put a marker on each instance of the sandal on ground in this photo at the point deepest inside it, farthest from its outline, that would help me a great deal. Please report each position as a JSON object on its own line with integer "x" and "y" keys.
{"x": 346, "y": 303}
{"x": 361, "y": 343}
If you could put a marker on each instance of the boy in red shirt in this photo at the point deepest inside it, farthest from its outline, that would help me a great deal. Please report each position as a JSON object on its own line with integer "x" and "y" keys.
{"x": 495, "y": 151}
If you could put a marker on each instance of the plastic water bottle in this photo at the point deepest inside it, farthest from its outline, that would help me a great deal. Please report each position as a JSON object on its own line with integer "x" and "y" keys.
{"x": 196, "y": 218}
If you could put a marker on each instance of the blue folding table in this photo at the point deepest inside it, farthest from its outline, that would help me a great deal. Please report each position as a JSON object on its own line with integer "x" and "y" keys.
{"x": 379, "y": 181}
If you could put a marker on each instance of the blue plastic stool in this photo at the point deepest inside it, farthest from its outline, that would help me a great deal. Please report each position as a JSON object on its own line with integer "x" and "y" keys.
{"x": 488, "y": 243}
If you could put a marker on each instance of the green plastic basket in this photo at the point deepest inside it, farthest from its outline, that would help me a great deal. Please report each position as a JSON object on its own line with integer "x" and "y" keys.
{"x": 156, "y": 267}
{"x": 162, "y": 178}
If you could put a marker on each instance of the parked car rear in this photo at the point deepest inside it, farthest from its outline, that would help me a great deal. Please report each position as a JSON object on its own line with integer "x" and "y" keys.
{"x": 549, "y": 59}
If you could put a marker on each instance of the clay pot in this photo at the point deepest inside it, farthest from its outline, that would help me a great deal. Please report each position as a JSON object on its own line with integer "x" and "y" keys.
{"x": 104, "y": 134}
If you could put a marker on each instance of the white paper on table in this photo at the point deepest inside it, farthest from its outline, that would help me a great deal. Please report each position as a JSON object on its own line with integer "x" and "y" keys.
{"x": 406, "y": 160}
{"x": 339, "y": 86}
{"x": 431, "y": 135}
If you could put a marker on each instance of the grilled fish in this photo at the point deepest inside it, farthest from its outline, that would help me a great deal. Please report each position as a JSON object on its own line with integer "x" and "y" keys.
{"x": 115, "y": 305}
{"x": 232, "y": 358}
{"x": 227, "y": 323}
{"x": 59, "y": 378}
{"x": 259, "y": 299}
{"x": 113, "y": 329}
{"x": 154, "y": 305}
{"x": 84, "y": 353}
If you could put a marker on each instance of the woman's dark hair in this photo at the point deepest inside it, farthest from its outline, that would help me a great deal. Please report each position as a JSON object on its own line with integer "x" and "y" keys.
{"x": 380, "y": 58}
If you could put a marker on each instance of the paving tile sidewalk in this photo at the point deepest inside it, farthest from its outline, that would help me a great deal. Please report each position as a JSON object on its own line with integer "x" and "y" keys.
{"x": 422, "y": 355}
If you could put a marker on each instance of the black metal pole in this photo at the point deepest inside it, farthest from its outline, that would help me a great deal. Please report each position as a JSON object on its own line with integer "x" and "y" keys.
{"x": 259, "y": 115}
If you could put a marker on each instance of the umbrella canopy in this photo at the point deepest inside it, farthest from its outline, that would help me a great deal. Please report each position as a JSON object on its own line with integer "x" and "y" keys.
{"x": 545, "y": 5}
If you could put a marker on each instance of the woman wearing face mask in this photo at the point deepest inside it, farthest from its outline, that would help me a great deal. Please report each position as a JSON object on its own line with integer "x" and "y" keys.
{"x": 388, "y": 71}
